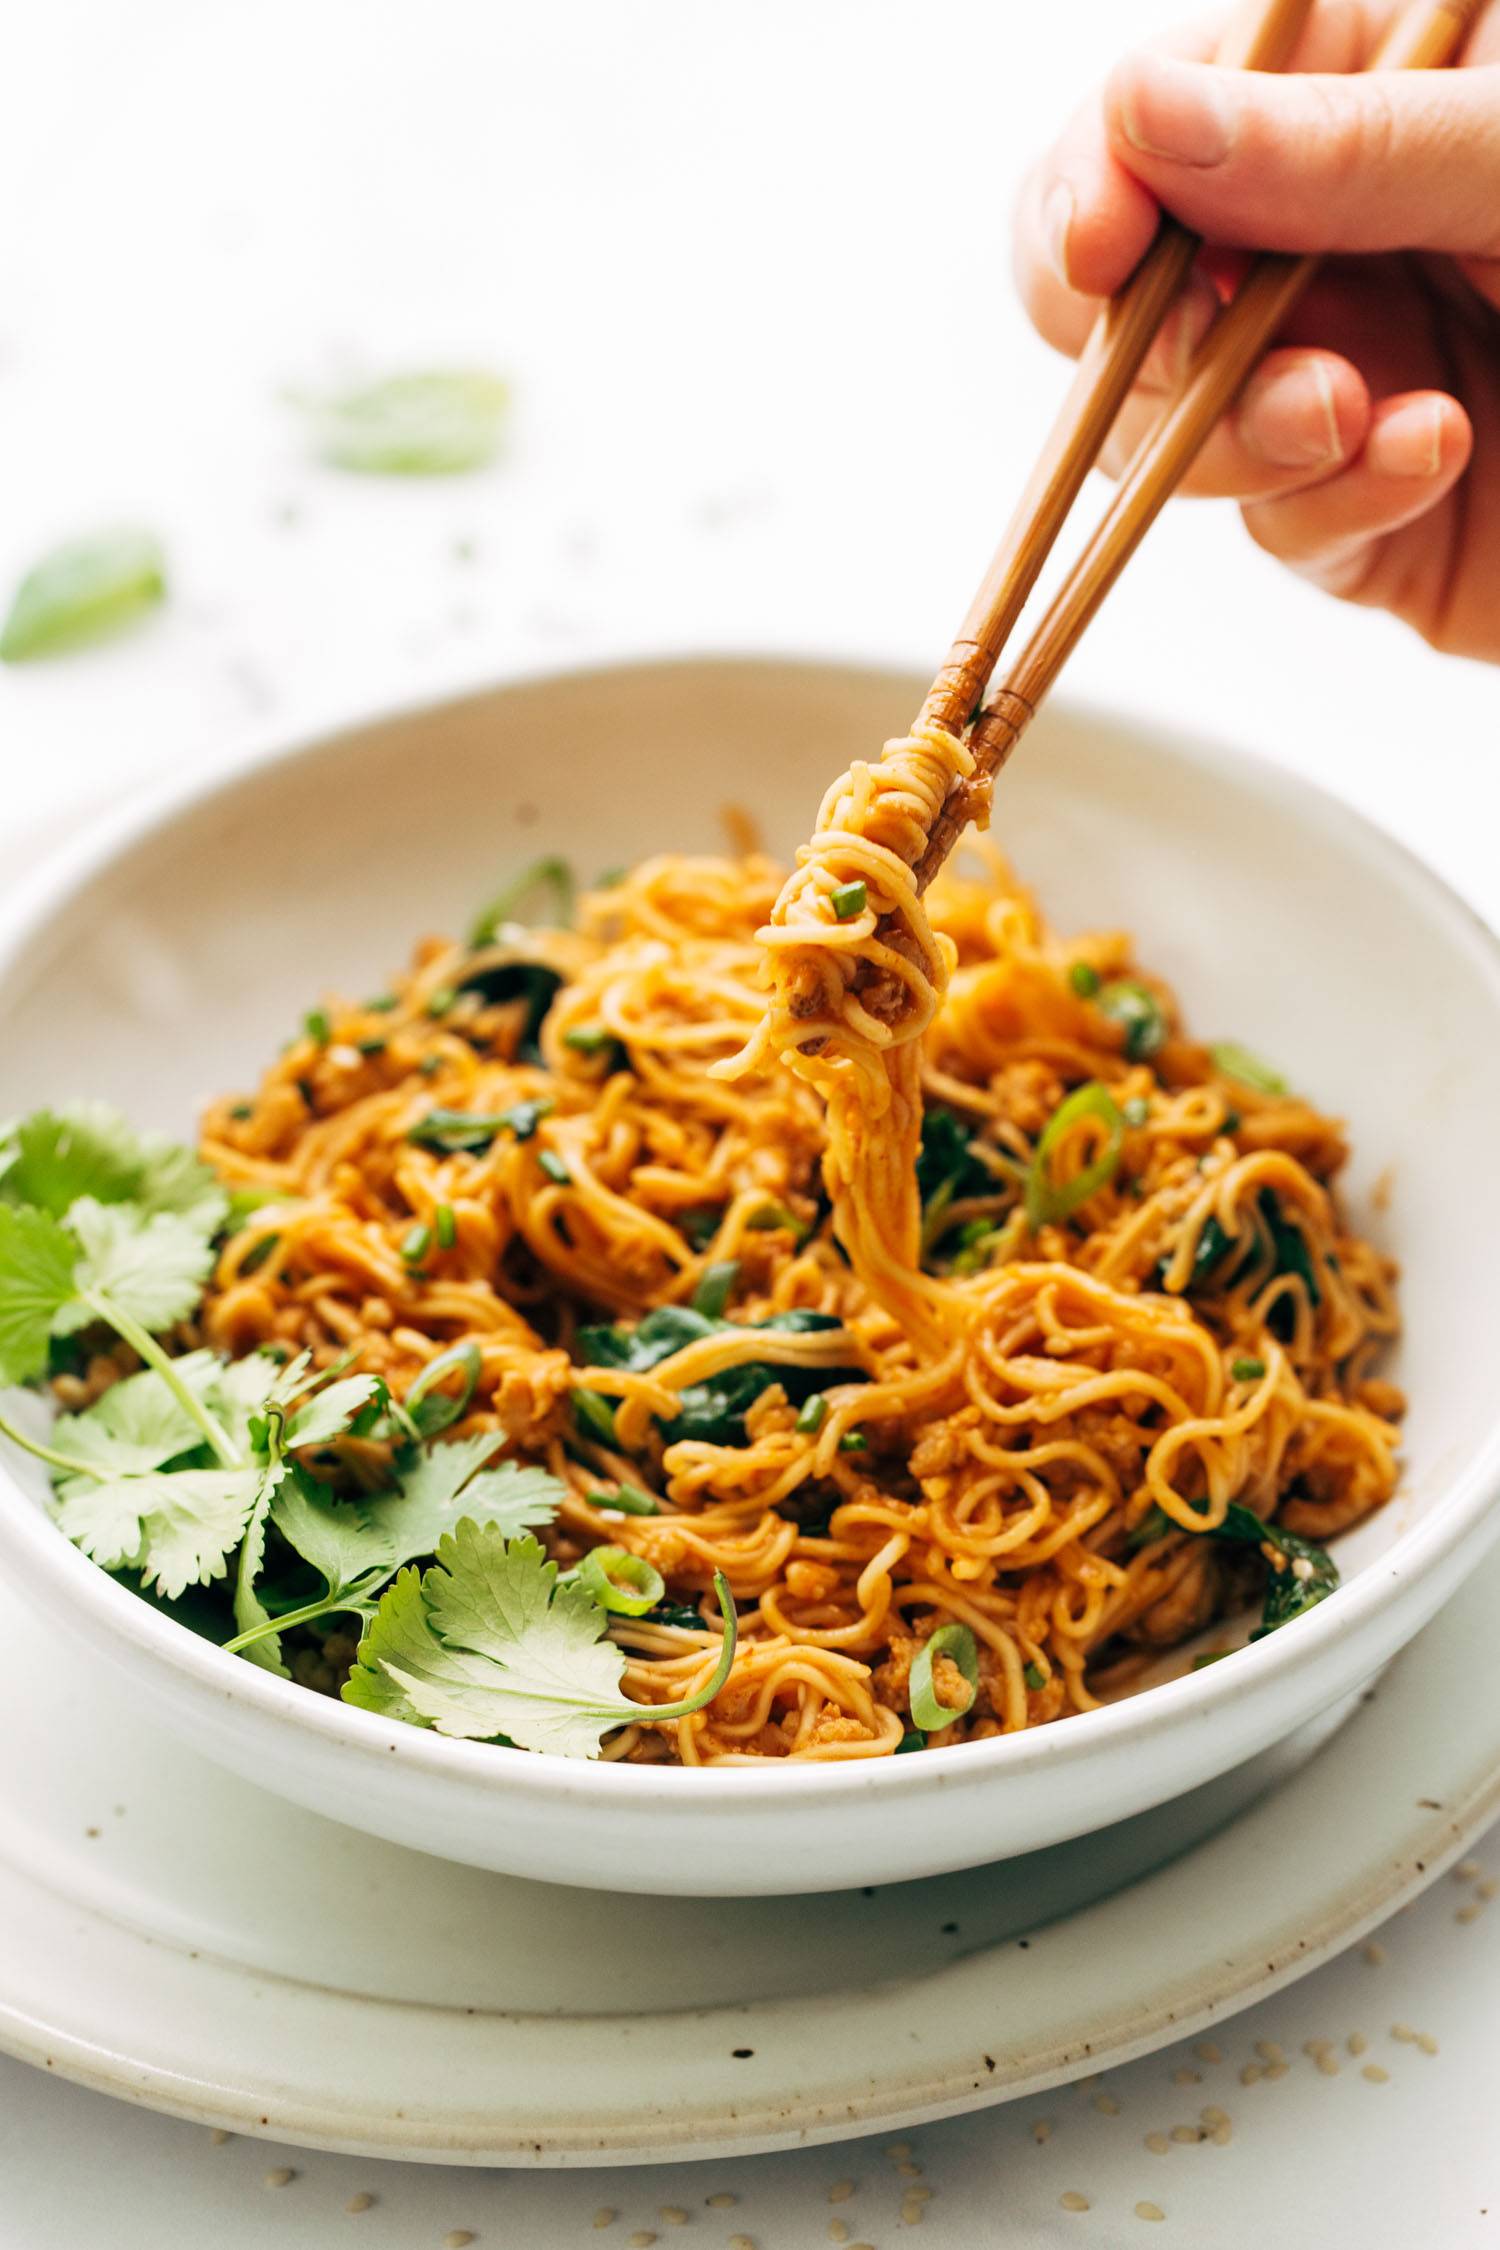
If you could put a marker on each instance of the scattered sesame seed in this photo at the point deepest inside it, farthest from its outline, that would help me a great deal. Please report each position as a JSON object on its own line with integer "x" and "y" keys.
{"x": 899, "y": 2151}
{"x": 1469, "y": 1913}
{"x": 1071, "y": 2200}
{"x": 912, "y": 2213}
{"x": 358, "y": 2203}
{"x": 1223, "y": 2135}
{"x": 1149, "y": 2211}
{"x": 1157, "y": 2143}
{"x": 1427, "y": 2043}
{"x": 219, "y": 2136}
{"x": 1269, "y": 2051}
{"x": 1356, "y": 2042}
{"x": 909, "y": 2171}
{"x": 1373, "y": 1952}
{"x": 743, "y": 2242}
{"x": 1376, "y": 2074}
{"x": 1106, "y": 2105}
{"x": 1404, "y": 2032}
{"x": 605, "y": 2217}
{"x": 1316, "y": 2047}
{"x": 281, "y": 2177}
{"x": 1328, "y": 2063}
{"x": 1041, "y": 2130}
{"x": 841, "y": 2191}
{"x": 1187, "y": 2078}
{"x": 458, "y": 2238}
{"x": 1212, "y": 2117}
{"x": 722, "y": 2202}
{"x": 1188, "y": 2135}
{"x": 1488, "y": 1889}
{"x": 1467, "y": 1870}
{"x": 642, "y": 2239}
{"x": 1277, "y": 2070}
{"x": 837, "y": 2231}
{"x": 1251, "y": 2074}
{"x": 1207, "y": 2052}
{"x": 1087, "y": 2085}
{"x": 672, "y": 2215}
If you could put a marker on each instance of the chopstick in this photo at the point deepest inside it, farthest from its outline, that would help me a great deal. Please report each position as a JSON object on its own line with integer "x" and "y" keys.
{"x": 1426, "y": 37}
{"x": 1260, "y": 37}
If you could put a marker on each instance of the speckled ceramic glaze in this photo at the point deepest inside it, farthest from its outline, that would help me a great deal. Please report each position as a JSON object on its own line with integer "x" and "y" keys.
{"x": 167, "y": 957}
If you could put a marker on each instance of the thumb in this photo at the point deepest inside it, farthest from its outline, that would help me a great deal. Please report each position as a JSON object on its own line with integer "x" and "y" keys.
{"x": 1383, "y": 160}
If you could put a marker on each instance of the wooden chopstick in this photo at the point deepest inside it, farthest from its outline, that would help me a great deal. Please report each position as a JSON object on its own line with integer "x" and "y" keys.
{"x": 1426, "y": 37}
{"x": 1261, "y": 37}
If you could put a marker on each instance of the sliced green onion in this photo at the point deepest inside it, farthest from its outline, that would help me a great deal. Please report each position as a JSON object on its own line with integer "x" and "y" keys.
{"x": 445, "y": 1226}
{"x": 242, "y": 1110}
{"x": 589, "y": 1039}
{"x": 595, "y": 1417}
{"x": 1084, "y": 978}
{"x": 371, "y": 1046}
{"x": 1248, "y": 1370}
{"x": 416, "y": 1243}
{"x": 451, "y": 1131}
{"x": 1136, "y": 1111}
{"x": 317, "y": 1026}
{"x": 383, "y": 1004}
{"x": 1048, "y": 1201}
{"x": 1210, "y": 1656}
{"x": 1232, "y": 1121}
{"x": 812, "y": 1414}
{"x": 554, "y": 1166}
{"x": 433, "y": 422}
{"x": 1231, "y": 1060}
{"x": 1033, "y": 1677}
{"x": 432, "y": 1410}
{"x": 621, "y": 1581}
{"x": 611, "y": 878}
{"x": 847, "y": 900}
{"x": 1138, "y": 1014}
{"x": 82, "y": 592}
{"x": 441, "y": 1000}
{"x": 910, "y": 1741}
{"x": 430, "y": 1065}
{"x": 927, "y": 1711}
{"x": 770, "y": 1217}
{"x": 716, "y": 1287}
{"x": 854, "y": 1441}
{"x": 629, "y": 1500}
{"x": 551, "y": 874}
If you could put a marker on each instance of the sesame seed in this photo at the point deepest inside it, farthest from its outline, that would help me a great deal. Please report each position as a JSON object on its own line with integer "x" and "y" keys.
{"x": 1373, "y": 1952}
{"x": 1106, "y": 2105}
{"x": 1158, "y": 2143}
{"x": 358, "y": 2203}
{"x": 1469, "y": 1913}
{"x": 1376, "y": 2075}
{"x": 837, "y": 2231}
{"x": 1488, "y": 1889}
{"x": 1041, "y": 2130}
{"x": 909, "y": 2171}
{"x": 899, "y": 2151}
{"x": 722, "y": 2202}
{"x": 1149, "y": 2211}
{"x": 642, "y": 2239}
{"x": 281, "y": 2177}
{"x": 1356, "y": 2042}
{"x": 1329, "y": 2064}
{"x": 841, "y": 2191}
{"x": 1212, "y": 2117}
{"x": 1207, "y": 2052}
{"x": 219, "y": 2136}
{"x": 1404, "y": 2032}
{"x": 1316, "y": 2047}
{"x": 1268, "y": 2051}
{"x": 1087, "y": 2085}
{"x": 1467, "y": 1870}
{"x": 672, "y": 2215}
{"x": 1187, "y": 2078}
{"x": 1071, "y": 2200}
{"x": 459, "y": 2239}
{"x": 605, "y": 2217}
{"x": 912, "y": 2213}
{"x": 1222, "y": 2135}
{"x": 1427, "y": 2043}
{"x": 1251, "y": 2074}
{"x": 1277, "y": 2070}
{"x": 743, "y": 2242}
{"x": 1188, "y": 2135}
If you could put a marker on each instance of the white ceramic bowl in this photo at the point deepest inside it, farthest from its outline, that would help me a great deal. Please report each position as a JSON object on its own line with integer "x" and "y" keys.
{"x": 167, "y": 957}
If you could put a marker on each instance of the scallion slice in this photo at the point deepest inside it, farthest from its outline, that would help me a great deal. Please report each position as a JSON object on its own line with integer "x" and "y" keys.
{"x": 595, "y": 1417}
{"x": 416, "y": 1243}
{"x": 589, "y": 1039}
{"x": 629, "y": 1500}
{"x": 1139, "y": 1015}
{"x": 432, "y": 1410}
{"x": 1247, "y": 1370}
{"x": 1049, "y": 1201}
{"x": 621, "y": 1581}
{"x": 847, "y": 900}
{"x": 927, "y": 1711}
{"x": 1084, "y": 978}
{"x": 854, "y": 1441}
{"x": 445, "y": 1226}
{"x": 554, "y": 1166}
{"x": 716, "y": 1287}
{"x": 812, "y": 1414}
{"x": 318, "y": 1027}
{"x": 1231, "y": 1060}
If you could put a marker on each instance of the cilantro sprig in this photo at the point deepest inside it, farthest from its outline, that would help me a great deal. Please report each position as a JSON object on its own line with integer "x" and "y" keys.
{"x": 487, "y": 1644}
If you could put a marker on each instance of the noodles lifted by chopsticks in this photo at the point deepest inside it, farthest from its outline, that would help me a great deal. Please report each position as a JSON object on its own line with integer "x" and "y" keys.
{"x": 1032, "y": 1366}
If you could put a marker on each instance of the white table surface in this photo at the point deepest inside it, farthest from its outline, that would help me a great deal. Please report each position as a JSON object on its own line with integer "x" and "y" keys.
{"x": 748, "y": 271}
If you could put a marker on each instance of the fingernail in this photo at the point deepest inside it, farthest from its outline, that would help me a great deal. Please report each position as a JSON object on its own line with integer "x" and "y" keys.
{"x": 1184, "y": 329}
{"x": 1178, "y": 111}
{"x": 1409, "y": 441}
{"x": 1058, "y": 208}
{"x": 1288, "y": 416}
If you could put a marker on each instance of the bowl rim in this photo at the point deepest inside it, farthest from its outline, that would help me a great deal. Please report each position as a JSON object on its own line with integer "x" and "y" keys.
{"x": 112, "y": 1613}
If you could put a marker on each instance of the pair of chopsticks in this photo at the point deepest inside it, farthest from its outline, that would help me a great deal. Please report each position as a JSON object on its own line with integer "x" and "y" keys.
{"x": 1427, "y": 36}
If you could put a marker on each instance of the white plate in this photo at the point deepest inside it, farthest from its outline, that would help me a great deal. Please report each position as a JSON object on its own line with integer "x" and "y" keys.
{"x": 168, "y": 956}
{"x": 175, "y": 1937}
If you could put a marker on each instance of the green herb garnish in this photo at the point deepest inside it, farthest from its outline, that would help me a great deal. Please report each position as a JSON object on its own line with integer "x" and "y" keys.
{"x": 554, "y": 1166}
{"x": 551, "y": 875}
{"x": 928, "y": 1711}
{"x": 621, "y": 1582}
{"x": 445, "y": 1226}
{"x": 421, "y": 425}
{"x": 1139, "y": 1015}
{"x": 1084, "y": 978}
{"x": 318, "y": 1026}
{"x": 1247, "y": 1370}
{"x": 627, "y": 1500}
{"x": 812, "y": 1414}
{"x": 847, "y": 900}
{"x": 452, "y": 1131}
{"x": 416, "y": 1243}
{"x": 83, "y": 592}
{"x": 713, "y": 1411}
{"x": 1234, "y": 1061}
{"x": 1048, "y": 1201}
{"x": 716, "y": 1287}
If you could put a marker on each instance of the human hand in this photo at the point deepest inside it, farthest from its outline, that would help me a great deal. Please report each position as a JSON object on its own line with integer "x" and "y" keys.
{"x": 1365, "y": 450}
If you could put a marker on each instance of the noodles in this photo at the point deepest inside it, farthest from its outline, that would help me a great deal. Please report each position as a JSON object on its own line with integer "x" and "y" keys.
{"x": 1025, "y": 1373}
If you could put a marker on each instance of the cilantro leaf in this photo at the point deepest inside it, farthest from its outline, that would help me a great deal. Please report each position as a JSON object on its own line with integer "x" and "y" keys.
{"x": 53, "y": 1157}
{"x": 330, "y": 1533}
{"x": 139, "y": 1423}
{"x": 37, "y": 1261}
{"x": 446, "y": 1481}
{"x": 177, "y": 1527}
{"x": 83, "y": 591}
{"x": 329, "y": 1411}
{"x": 151, "y": 1269}
{"x": 488, "y": 1644}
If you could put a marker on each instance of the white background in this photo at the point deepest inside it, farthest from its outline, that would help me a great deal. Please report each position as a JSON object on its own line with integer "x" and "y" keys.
{"x": 747, "y": 269}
